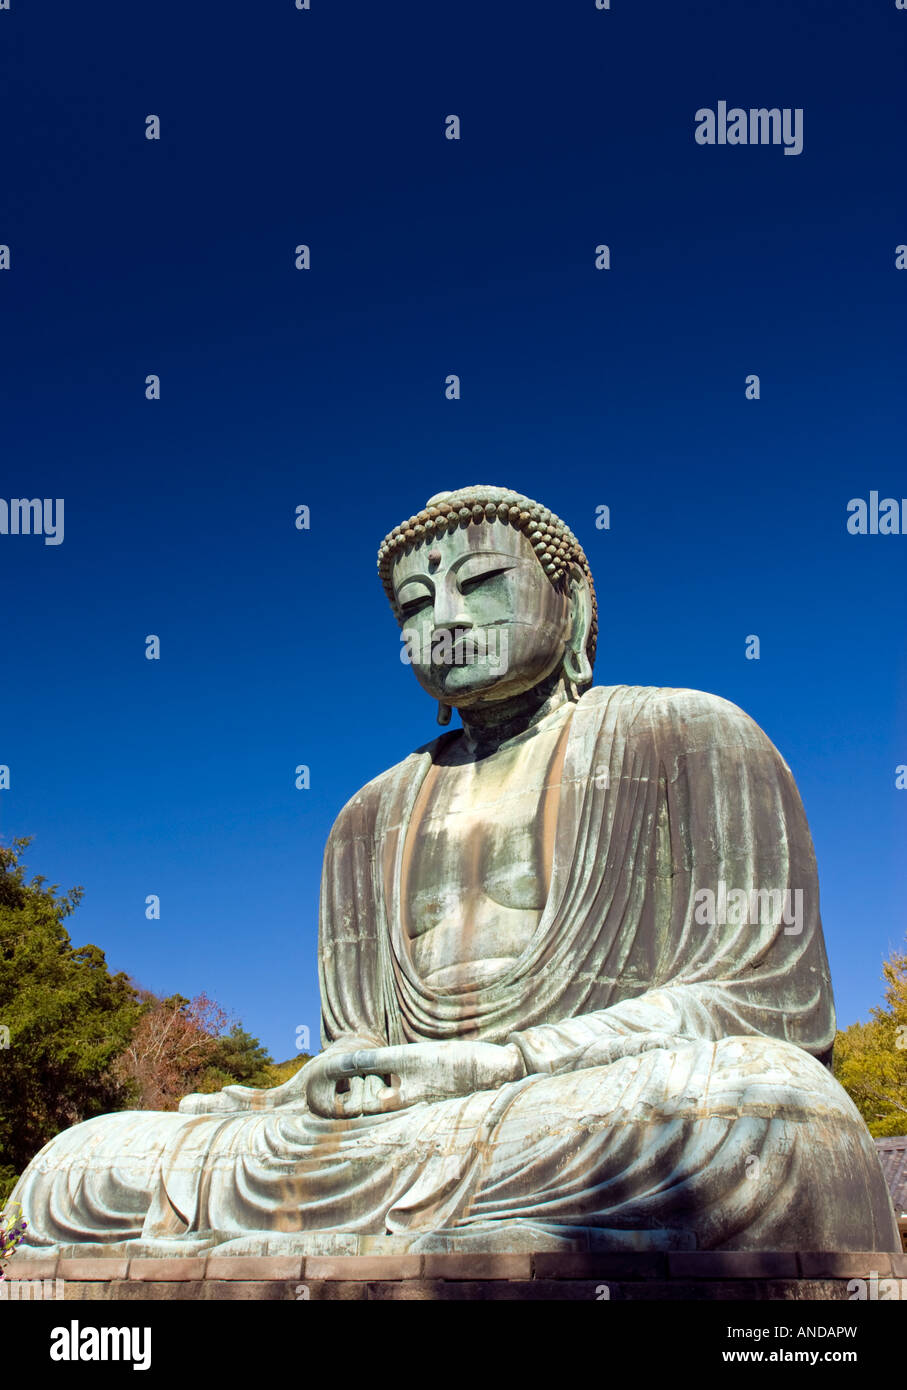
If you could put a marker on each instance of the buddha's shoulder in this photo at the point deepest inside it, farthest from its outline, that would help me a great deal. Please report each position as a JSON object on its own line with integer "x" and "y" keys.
{"x": 393, "y": 784}
{"x": 685, "y": 713}
{"x": 686, "y": 718}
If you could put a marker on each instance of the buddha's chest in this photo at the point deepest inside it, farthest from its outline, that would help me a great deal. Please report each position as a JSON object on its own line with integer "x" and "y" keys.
{"x": 478, "y": 861}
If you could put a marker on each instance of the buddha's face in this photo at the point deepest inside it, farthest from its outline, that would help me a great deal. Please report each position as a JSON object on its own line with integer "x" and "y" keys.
{"x": 482, "y": 619}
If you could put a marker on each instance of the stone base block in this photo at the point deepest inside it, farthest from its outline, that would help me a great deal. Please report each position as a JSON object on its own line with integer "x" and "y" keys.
{"x": 685, "y": 1275}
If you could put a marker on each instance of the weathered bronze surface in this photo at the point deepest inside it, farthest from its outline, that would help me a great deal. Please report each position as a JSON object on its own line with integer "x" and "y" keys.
{"x": 575, "y": 993}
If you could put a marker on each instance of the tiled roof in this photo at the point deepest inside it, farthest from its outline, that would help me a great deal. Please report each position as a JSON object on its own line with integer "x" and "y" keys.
{"x": 893, "y": 1154}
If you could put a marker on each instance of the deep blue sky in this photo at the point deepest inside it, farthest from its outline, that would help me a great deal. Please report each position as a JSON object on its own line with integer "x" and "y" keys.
{"x": 325, "y": 387}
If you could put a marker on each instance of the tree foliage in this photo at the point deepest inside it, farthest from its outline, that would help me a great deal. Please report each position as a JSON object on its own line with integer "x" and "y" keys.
{"x": 172, "y": 1046}
{"x": 242, "y": 1058}
{"x": 78, "y": 1041}
{"x": 279, "y": 1072}
{"x": 180, "y": 1045}
{"x": 871, "y": 1058}
{"x": 67, "y": 1016}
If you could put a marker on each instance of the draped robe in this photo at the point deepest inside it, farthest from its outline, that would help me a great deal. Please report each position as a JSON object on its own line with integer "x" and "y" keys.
{"x": 677, "y": 1090}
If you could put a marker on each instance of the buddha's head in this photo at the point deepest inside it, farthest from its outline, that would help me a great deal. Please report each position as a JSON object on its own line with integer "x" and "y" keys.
{"x": 494, "y": 596}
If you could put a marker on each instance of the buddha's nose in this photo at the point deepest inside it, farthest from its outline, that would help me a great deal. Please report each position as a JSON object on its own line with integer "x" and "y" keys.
{"x": 448, "y": 611}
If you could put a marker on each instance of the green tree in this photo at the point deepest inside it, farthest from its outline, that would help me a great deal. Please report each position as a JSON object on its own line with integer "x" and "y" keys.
{"x": 871, "y": 1058}
{"x": 64, "y": 1018}
{"x": 237, "y": 1059}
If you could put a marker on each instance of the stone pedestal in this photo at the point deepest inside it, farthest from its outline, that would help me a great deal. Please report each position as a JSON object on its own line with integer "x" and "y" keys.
{"x": 692, "y": 1275}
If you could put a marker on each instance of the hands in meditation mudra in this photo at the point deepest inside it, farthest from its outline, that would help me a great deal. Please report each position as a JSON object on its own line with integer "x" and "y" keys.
{"x": 532, "y": 1040}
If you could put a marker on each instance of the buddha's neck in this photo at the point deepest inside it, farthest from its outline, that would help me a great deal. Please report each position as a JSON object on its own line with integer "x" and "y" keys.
{"x": 486, "y": 727}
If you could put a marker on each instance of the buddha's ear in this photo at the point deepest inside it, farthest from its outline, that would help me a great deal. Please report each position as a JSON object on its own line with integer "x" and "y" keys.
{"x": 576, "y": 659}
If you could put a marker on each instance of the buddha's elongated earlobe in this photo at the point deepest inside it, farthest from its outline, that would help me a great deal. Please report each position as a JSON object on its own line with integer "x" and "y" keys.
{"x": 576, "y": 666}
{"x": 443, "y": 713}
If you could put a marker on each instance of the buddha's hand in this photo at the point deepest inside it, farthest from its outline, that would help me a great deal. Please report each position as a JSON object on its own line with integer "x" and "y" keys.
{"x": 378, "y": 1080}
{"x": 238, "y": 1098}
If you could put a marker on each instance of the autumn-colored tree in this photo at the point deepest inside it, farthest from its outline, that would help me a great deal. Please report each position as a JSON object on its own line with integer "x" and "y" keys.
{"x": 871, "y": 1058}
{"x": 173, "y": 1043}
{"x": 180, "y": 1045}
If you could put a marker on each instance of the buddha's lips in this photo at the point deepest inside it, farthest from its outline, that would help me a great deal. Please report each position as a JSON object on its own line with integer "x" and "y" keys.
{"x": 475, "y": 639}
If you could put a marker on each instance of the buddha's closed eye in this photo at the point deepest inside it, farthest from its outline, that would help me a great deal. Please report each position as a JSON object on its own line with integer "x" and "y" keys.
{"x": 410, "y": 607}
{"x": 474, "y": 580}
{"x": 415, "y": 605}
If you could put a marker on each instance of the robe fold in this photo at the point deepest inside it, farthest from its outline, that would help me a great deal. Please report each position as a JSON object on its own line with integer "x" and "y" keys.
{"x": 677, "y": 1090}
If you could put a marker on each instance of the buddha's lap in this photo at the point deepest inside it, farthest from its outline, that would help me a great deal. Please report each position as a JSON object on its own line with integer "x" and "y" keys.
{"x": 673, "y": 1126}
{"x": 747, "y": 1079}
